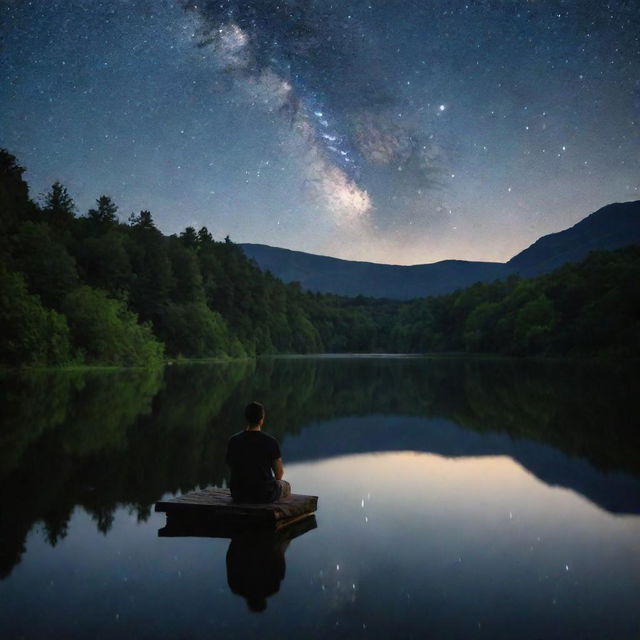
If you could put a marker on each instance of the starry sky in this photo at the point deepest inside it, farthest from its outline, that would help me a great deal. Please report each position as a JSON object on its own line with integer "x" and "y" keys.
{"x": 396, "y": 131}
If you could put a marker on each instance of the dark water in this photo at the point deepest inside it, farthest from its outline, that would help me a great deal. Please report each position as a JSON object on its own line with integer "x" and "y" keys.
{"x": 458, "y": 499}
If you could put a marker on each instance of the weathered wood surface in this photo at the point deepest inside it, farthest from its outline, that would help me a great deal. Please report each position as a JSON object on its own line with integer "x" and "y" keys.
{"x": 216, "y": 504}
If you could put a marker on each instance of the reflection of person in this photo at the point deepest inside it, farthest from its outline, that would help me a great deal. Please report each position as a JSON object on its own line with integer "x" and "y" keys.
{"x": 256, "y": 567}
{"x": 255, "y": 462}
{"x": 256, "y": 564}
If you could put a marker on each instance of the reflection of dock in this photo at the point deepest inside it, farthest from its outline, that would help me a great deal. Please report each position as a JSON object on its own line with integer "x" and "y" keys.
{"x": 256, "y": 561}
{"x": 212, "y": 513}
{"x": 196, "y": 528}
{"x": 260, "y": 535}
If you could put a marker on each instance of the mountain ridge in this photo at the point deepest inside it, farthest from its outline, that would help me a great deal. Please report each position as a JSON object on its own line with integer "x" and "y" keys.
{"x": 610, "y": 227}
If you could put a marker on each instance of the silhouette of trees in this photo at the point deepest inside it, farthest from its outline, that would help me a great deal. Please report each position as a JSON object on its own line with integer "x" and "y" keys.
{"x": 125, "y": 291}
{"x": 59, "y": 208}
{"x": 105, "y": 214}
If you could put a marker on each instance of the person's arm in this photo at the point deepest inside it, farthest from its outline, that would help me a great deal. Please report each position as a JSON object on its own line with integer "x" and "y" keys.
{"x": 278, "y": 469}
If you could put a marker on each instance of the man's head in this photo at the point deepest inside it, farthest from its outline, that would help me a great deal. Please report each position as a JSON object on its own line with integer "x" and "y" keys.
{"x": 254, "y": 413}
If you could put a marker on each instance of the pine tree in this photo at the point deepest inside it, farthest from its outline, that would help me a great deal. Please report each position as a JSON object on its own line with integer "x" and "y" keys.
{"x": 59, "y": 206}
{"x": 144, "y": 220}
{"x": 15, "y": 206}
{"x": 189, "y": 238}
{"x": 204, "y": 237}
{"x": 106, "y": 212}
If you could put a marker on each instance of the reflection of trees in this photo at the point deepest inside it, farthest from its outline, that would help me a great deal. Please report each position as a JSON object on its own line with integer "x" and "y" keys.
{"x": 54, "y": 423}
{"x": 585, "y": 409}
{"x": 104, "y": 439}
{"x": 95, "y": 408}
{"x": 114, "y": 437}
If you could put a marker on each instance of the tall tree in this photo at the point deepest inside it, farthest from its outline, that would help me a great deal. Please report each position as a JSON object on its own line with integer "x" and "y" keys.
{"x": 153, "y": 279}
{"x": 204, "y": 237}
{"x": 49, "y": 269}
{"x": 59, "y": 206}
{"x": 144, "y": 220}
{"x": 189, "y": 238}
{"x": 105, "y": 214}
{"x": 15, "y": 205}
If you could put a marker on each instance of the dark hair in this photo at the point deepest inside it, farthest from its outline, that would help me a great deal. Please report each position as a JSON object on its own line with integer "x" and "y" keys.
{"x": 254, "y": 412}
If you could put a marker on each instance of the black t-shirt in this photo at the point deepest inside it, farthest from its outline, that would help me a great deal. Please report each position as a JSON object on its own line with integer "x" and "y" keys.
{"x": 250, "y": 454}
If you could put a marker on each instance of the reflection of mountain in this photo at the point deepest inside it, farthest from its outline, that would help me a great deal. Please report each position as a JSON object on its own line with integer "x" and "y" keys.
{"x": 616, "y": 492}
{"x": 101, "y": 440}
{"x": 611, "y": 227}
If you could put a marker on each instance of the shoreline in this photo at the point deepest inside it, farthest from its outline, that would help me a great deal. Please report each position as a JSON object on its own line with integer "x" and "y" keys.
{"x": 454, "y": 355}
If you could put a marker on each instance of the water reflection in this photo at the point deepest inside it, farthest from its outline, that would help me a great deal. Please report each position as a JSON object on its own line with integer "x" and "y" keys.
{"x": 617, "y": 492}
{"x": 255, "y": 568}
{"x": 460, "y": 497}
{"x": 419, "y": 545}
{"x": 255, "y": 559}
{"x": 256, "y": 562}
{"x": 101, "y": 440}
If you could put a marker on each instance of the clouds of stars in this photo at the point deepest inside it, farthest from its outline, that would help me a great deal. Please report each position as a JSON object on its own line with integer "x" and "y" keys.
{"x": 397, "y": 132}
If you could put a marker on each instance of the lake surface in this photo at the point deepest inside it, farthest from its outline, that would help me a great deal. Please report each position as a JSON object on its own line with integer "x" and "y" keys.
{"x": 457, "y": 499}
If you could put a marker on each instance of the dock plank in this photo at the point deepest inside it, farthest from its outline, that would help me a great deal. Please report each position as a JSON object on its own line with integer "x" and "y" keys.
{"x": 216, "y": 504}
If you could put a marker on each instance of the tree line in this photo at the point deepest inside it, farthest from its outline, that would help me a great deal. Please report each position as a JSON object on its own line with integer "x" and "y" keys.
{"x": 95, "y": 289}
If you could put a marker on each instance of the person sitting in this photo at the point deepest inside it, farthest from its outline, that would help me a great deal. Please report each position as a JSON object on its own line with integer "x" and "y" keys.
{"x": 255, "y": 462}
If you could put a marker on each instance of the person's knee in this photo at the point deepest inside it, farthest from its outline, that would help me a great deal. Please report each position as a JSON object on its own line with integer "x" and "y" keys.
{"x": 285, "y": 489}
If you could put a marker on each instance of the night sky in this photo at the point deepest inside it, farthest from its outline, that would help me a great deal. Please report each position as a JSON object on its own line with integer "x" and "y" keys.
{"x": 397, "y": 131}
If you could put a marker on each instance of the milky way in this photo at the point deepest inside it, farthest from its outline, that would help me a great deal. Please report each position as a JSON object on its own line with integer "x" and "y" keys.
{"x": 313, "y": 62}
{"x": 390, "y": 131}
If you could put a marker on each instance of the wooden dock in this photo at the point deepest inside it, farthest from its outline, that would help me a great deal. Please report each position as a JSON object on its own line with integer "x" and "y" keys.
{"x": 214, "y": 507}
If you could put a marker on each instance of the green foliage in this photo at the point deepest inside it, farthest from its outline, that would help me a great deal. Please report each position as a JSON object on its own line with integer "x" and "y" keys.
{"x": 15, "y": 206}
{"x": 31, "y": 334}
{"x": 192, "y": 330}
{"x": 205, "y": 298}
{"x": 585, "y": 309}
{"x": 187, "y": 278}
{"x": 478, "y": 327}
{"x": 104, "y": 262}
{"x": 104, "y": 331}
{"x": 46, "y": 264}
{"x": 533, "y": 324}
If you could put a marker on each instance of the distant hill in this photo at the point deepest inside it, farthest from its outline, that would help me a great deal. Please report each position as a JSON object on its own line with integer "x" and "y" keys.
{"x": 613, "y": 226}
{"x": 350, "y": 278}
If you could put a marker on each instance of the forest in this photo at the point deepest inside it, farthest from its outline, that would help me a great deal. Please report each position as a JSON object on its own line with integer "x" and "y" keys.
{"x": 93, "y": 289}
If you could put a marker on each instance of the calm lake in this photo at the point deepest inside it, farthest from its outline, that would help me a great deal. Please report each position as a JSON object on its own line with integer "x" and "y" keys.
{"x": 457, "y": 499}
